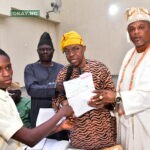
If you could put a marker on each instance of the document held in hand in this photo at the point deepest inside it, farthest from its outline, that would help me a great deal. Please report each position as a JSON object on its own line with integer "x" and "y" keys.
{"x": 48, "y": 144}
{"x": 79, "y": 92}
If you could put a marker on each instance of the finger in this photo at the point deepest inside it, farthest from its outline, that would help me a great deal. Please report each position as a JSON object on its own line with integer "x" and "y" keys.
{"x": 71, "y": 122}
{"x": 71, "y": 118}
{"x": 92, "y": 104}
{"x": 96, "y": 91}
{"x": 97, "y": 98}
{"x": 94, "y": 97}
{"x": 65, "y": 103}
{"x": 96, "y": 104}
{"x": 100, "y": 106}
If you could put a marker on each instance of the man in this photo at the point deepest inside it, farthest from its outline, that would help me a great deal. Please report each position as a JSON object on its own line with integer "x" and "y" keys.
{"x": 23, "y": 104}
{"x": 133, "y": 89}
{"x": 95, "y": 129}
{"x": 11, "y": 126}
{"x": 40, "y": 82}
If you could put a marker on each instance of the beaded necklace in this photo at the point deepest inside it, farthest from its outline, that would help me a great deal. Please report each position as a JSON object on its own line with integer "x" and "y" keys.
{"x": 134, "y": 69}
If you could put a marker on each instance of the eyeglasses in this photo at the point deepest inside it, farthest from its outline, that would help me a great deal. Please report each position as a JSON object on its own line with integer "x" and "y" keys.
{"x": 73, "y": 50}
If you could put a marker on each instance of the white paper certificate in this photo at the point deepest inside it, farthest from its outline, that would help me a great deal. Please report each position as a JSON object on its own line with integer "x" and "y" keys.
{"x": 79, "y": 92}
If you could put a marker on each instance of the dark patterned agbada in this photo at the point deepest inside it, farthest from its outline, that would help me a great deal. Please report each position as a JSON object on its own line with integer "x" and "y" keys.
{"x": 97, "y": 128}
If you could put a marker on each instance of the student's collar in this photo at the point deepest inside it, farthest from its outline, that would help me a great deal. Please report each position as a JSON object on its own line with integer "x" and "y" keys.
{"x": 4, "y": 95}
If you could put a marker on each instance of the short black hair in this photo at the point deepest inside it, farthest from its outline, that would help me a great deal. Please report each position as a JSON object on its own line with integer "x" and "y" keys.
{"x": 3, "y": 53}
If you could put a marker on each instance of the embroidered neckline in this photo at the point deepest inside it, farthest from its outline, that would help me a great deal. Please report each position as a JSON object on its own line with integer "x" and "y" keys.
{"x": 133, "y": 70}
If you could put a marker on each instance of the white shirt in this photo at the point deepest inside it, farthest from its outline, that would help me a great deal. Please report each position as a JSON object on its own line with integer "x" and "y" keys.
{"x": 10, "y": 122}
{"x": 135, "y": 124}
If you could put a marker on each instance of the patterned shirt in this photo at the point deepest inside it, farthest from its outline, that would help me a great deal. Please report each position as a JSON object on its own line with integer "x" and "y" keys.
{"x": 96, "y": 128}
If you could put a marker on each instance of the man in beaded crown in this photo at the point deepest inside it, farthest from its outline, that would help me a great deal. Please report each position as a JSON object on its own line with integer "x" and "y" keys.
{"x": 133, "y": 87}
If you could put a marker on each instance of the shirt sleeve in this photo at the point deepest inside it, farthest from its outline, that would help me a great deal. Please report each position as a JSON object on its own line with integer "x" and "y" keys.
{"x": 33, "y": 87}
{"x": 10, "y": 121}
{"x": 107, "y": 79}
{"x": 58, "y": 101}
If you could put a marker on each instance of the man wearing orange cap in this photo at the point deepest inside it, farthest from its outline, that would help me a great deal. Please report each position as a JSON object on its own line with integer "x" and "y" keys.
{"x": 133, "y": 89}
{"x": 96, "y": 128}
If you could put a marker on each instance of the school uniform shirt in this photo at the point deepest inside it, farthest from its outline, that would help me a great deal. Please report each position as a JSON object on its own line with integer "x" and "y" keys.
{"x": 10, "y": 122}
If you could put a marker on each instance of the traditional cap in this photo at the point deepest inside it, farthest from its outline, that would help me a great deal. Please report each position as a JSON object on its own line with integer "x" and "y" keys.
{"x": 14, "y": 86}
{"x": 137, "y": 14}
{"x": 71, "y": 38}
{"x": 45, "y": 39}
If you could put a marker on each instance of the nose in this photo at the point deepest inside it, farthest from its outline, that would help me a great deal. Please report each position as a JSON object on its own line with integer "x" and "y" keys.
{"x": 71, "y": 53}
{"x": 136, "y": 31}
{"x": 6, "y": 73}
{"x": 45, "y": 51}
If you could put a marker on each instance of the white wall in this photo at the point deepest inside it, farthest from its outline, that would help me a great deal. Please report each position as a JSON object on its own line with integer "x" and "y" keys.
{"x": 42, "y": 5}
{"x": 104, "y": 35}
{"x": 19, "y": 36}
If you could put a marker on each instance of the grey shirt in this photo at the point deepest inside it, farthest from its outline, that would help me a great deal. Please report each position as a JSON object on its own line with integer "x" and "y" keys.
{"x": 40, "y": 80}
{"x": 40, "y": 85}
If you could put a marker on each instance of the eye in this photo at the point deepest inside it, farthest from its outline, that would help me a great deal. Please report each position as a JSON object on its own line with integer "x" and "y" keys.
{"x": 66, "y": 52}
{"x": 131, "y": 29}
{"x": 141, "y": 27}
{"x": 8, "y": 67}
{"x": 42, "y": 50}
{"x": 76, "y": 48}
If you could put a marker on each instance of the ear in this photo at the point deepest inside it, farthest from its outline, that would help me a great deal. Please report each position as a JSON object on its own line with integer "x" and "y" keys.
{"x": 84, "y": 48}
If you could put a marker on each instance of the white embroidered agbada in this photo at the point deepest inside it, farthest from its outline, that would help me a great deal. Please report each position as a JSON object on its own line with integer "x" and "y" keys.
{"x": 134, "y": 126}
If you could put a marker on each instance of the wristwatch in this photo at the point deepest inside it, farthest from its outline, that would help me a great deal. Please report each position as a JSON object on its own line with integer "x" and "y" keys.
{"x": 118, "y": 100}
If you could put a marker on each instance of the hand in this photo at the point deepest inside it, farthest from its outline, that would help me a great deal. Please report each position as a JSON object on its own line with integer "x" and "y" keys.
{"x": 102, "y": 98}
{"x": 95, "y": 101}
{"x": 60, "y": 87}
{"x": 66, "y": 110}
{"x": 108, "y": 96}
{"x": 67, "y": 124}
{"x": 120, "y": 109}
{"x": 120, "y": 112}
{"x": 65, "y": 102}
